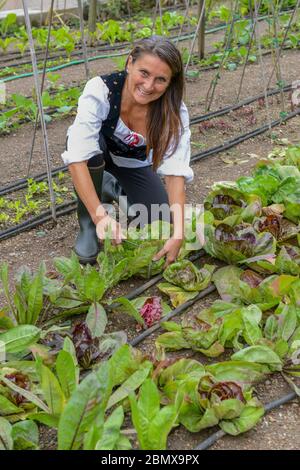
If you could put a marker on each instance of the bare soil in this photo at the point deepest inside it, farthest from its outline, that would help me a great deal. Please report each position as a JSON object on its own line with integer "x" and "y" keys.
{"x": 280, "y": 428}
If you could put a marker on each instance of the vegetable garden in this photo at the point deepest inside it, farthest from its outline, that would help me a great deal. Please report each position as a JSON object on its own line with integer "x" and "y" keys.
{"x": 126, "y": 354}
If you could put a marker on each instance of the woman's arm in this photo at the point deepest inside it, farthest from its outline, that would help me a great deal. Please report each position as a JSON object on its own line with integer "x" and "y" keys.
{"x": 175, "y": 186}
{"x": 176, "y": 191}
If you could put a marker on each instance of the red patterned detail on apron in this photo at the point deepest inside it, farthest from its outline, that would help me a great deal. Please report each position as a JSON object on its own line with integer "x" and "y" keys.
{"x": 132, "y": 139}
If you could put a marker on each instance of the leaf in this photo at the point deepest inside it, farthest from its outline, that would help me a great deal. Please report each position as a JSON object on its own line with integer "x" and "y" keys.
{"x": 292, "y": 384}
{"x": 111, "y": 342}
{"x": 79, "y": 413}
{"x": 94, "y": 285}
{"x": 111, "y": 430}
{"x": 252, "y": 332}
{"x": 149, "y": 400}
{"x": 51, "y": 390}
{"x": 19, "y": 338}
{"x": 25, "y": 393}
{"x": 7, "y": 407}
{"x": 66, "y": 373}
{"x": 214, "y": 350}
{"x": 69, "y": 267}
{"x": 45, "y": 418}
{"x": 125, "y": 361}
{"x": 70, "y": 348}
{"x": 131, "y": 384}
{"x": 289, "y": 323}
{"x": 6, "y": 323}
{"x": 35, "y": 299}
{"x": 6, "y": 440}
{"x": 96, "y": 320}
{"x": 172, "y": 341}
{"x": 243, "y": 372}
{"x": 25, "y": 435}
{"x": 160, "y": 428}
{"x": 248, "y": 418}
{"x": 260, "y": 355}
{"x": 126, "y": 306}
{"x": 152, "y": 424}
{"x": 271, "y": 326}
{"x": 178, "y": 296}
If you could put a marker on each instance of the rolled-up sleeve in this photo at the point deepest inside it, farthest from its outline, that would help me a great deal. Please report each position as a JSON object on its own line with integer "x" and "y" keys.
{"x": 83, "y": 134}
{"x": 178, "y": 163}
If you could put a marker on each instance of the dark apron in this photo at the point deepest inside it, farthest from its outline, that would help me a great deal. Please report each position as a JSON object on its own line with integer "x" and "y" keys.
{"x": 115, "y": 83}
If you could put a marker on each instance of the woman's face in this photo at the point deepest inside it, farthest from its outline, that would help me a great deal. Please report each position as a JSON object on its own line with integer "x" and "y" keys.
{"x": 148, "y": 78}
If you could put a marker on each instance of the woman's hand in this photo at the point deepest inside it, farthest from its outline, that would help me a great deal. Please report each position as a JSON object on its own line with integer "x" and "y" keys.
{"x": 108, "y": 224}
{"x": 170, "y": 250}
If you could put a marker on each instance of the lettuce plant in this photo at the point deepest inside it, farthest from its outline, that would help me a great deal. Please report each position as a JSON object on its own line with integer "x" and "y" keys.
{"x": 236, "y": 244}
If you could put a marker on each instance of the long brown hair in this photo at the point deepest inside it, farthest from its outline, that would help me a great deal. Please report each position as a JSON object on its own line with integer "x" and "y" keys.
{"x": 163, "y": 121}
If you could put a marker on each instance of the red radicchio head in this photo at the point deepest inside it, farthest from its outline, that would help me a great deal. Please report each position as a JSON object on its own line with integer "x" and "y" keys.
{"x": 151, "y": 311}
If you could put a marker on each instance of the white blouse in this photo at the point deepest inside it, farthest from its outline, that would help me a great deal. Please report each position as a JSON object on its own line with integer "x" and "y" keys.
{"x": 83, "y": 135}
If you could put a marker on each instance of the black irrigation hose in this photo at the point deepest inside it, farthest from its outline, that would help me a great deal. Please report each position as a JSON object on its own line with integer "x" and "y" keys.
{"x": 234, "y": 107}
{"x": 233, "y": 142}
{"x": 268, "y": 407}
{"x": 22, "y": 183}
{"x": 138, "y": 339}
{"x": 69, "y": 207}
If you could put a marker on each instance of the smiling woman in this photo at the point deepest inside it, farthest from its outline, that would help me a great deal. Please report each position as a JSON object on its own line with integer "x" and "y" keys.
{"x": 135, "y": 124}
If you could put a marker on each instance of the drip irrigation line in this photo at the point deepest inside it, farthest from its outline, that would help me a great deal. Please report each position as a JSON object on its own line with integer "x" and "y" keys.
{"x": 207, "y": 443}
{"x": 22, "y": 183}
{"x": 231, "y": 143}
{"x": 138, "y": 339}
{"x": 234, "y": 107}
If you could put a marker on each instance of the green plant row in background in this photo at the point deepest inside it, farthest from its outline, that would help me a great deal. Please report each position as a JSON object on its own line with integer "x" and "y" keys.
{"x": 58, "y": 102}
{"x": 36, "y": 199}
{"x": 110, "y": 31}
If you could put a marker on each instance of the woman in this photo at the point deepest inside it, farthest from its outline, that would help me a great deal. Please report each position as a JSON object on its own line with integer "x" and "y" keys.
{"x": 135, "y": 124}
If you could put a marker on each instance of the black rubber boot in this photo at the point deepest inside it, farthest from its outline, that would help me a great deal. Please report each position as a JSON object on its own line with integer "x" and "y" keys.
{"x": 87, "y": 245}
{"x": 113, "y": 192}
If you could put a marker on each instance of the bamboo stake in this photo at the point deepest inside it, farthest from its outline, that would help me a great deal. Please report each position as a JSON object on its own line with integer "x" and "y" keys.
{"x": 40, "y": 107}
{"x": 201, "y": 35}
{"x": 195, "y": 36}
{"x": 42, "y": 85}
{"x": 84, "y": 50}
{"x": 263, "y": 71}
